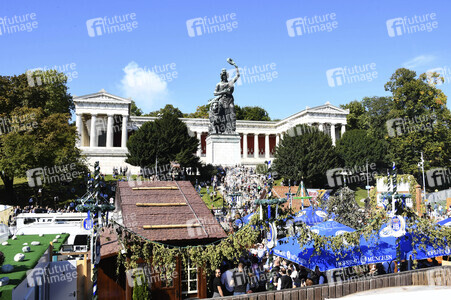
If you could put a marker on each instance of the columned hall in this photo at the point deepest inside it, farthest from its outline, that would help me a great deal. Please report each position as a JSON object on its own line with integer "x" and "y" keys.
{"x": 104, "y": 124}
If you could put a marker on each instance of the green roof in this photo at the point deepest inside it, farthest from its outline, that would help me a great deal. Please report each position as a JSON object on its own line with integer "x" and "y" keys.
{"x": 31, "y": 258}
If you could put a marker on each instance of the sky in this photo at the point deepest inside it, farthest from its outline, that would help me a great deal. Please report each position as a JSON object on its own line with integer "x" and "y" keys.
{"x": 291, "y": 54}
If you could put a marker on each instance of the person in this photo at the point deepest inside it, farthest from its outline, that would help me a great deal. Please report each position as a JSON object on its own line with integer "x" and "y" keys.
{"x": 217, "y": 286}
{"x": 240, "y": 281}
{"x": 226, "y": 279}
{"x": 285, "y": 281}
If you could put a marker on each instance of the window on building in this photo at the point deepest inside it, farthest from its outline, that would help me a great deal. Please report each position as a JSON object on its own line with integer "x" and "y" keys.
{"x": 189, "y": 279}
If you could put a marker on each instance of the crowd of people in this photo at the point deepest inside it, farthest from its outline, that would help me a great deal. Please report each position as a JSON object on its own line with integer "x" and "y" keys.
{"x": 260, "y": 272}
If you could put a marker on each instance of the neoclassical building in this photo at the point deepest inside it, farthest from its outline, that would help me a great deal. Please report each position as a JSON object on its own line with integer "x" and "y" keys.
{"x": 104, "y": 124}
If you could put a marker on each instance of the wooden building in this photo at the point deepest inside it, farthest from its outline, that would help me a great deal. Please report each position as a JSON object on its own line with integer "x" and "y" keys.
{"x": 169, "y": 212}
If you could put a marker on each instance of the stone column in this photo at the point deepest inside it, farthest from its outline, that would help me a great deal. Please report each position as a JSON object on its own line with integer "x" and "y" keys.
{"x": 256, "y": 150}
{"x": 277, "y": 139}
{"x": 79, "y": 123}
{"x": 109, "y": 132}
{"x": 267, "y": 145}
{"x": 124, "y": 132}
{"x": 321, "y": 127}
{"x": 93, "y": 137}
{"x": 343, "y": 129}
{"x": 199, "y": 148}
{"x": 244, "y": 145}
{"x": 332, "y": 133}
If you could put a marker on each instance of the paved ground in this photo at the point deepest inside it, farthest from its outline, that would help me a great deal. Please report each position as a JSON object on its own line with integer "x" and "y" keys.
{"x": 404, "y": 293}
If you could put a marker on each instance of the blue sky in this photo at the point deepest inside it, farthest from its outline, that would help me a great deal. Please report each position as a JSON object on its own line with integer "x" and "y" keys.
{"x": 293, "y": 69}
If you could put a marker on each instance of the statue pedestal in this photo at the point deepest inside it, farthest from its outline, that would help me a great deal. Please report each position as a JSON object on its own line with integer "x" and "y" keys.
{"x": 224, "y": 149}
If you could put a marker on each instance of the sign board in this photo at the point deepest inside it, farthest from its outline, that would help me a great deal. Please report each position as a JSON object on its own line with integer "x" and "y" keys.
{"x": 88, "y": 223}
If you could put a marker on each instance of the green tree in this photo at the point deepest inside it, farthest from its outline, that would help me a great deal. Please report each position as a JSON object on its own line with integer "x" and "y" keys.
{"x": 252, "y": 113}
{"x": 377, "y": 110}
{"x": 201, "y": 112}
{"x": 417, "y": 122}
{"x": 356, "y": 147}
{"x": 306, "y": 153}
{"x": 346, "y": 209}
{"x": 356, "y": 116}
{"x": 165, "y": 139}
{"x": 35, "y": 129}
{"x": 168, "y": 109}
{"x": 135, "y": 110}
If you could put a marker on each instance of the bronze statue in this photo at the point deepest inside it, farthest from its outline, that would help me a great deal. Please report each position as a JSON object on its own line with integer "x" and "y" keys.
{"x": 222, "y": 109}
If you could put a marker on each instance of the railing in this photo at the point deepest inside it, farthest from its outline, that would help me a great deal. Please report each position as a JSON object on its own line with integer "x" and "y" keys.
{"x": 437, "y": 276}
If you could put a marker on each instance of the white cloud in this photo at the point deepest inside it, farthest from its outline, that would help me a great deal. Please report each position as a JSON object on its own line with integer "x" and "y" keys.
{"x": 145, "y": 87}
{"x": 419, "y": 61}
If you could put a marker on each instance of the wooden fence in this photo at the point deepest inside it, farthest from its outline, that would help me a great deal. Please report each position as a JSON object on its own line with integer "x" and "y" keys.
{"x": 440, "y": 276}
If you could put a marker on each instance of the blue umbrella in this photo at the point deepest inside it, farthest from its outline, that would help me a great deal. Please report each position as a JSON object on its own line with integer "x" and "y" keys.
{"x": 331, "y": 228}
{"x": 379, "y": 248}
{"x": 446, "y": 222}
{"x": 311, "y": 216}
{"x": 430, "y": 251}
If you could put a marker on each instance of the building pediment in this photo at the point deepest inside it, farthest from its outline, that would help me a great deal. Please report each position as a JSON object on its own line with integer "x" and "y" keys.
{"x": 102, "y": 97}
{"x": 328, "y": 108}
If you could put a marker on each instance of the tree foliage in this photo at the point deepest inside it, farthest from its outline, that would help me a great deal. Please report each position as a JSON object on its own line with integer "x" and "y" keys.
{"x": 356, "y": 147}
{"x": 35, "y": 126}
{"x": 252, "y": 113}
{"x": 168, "y": 109}
{"x": 418, "y": 121}
{"x": 165, "y": 139}
{"x": 135, "y": 110}
{"x": 306, "y": 154}
{"x": 355, "y": 118}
